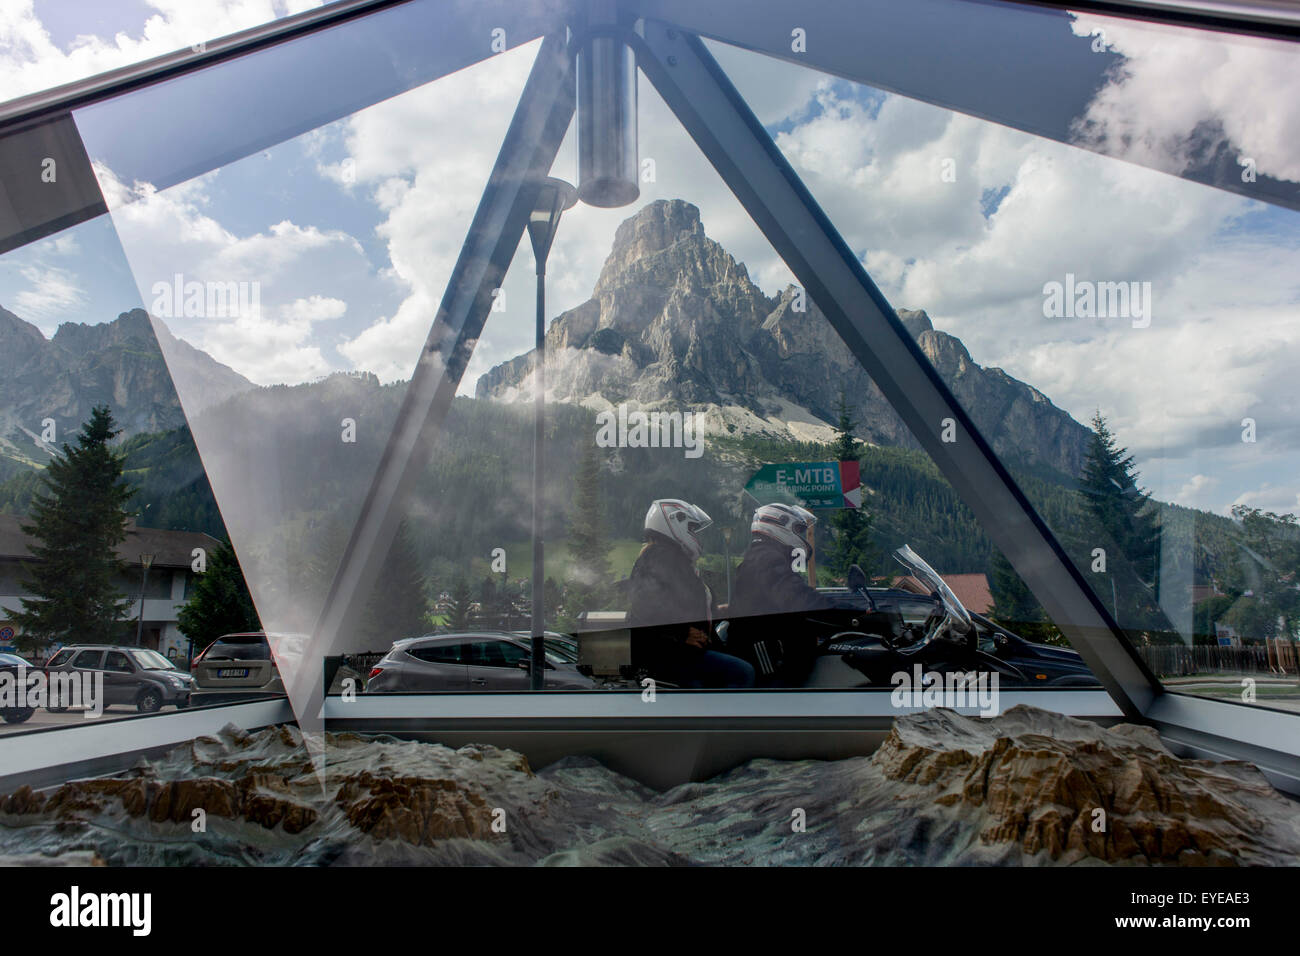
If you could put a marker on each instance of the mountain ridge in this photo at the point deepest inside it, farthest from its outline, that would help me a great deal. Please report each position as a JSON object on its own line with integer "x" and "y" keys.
{"x": 674, "y": 319}
{"x": 117, "y": 363}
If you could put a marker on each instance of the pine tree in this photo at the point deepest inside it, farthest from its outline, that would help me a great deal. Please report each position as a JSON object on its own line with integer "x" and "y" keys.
{"x": 1122, "y": 519}
{"x": 588, "y": 580}
{"x": 220, "y": 602}
{"x": 77, "y": 527}
{"x": 398, "y": 606}
{"x": 458, "y": 608}
{"x": 851, "y": 541}
{"x": 588, "y": 543}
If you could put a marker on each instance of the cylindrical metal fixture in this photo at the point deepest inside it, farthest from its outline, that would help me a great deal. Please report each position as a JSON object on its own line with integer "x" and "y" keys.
{"x": 607, "y": 156}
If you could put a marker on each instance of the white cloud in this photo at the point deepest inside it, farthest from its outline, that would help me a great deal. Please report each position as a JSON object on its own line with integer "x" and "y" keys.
{"x": 424, "y": 158}
{"x": 293, "y": 267}
{"x": 1223, "y": 325}
{"x": 1178, "y": 94}
{"x": 31, "y": 61}
{"x": 315, "y": 309}
{"x": 50, "y": 294}
{"x": 1195, "y": 493}
{"x": 1269, "y": 497}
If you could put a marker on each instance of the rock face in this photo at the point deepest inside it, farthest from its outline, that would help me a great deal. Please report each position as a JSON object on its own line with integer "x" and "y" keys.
{"x": 117, "y": 363}
{"x": 675, "y": 321}
{"x": 1073, "y": 790}
{"x": 1027, "y": 788}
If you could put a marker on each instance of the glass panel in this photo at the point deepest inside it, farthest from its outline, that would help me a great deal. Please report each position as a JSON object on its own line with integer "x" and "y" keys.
{"x": 684, "y": 374}
{"x": 1122, "y": 337}
{"x": 291, "y": 292}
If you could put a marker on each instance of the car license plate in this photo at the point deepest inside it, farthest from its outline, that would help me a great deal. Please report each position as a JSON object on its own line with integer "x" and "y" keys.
{"x": 233, "y": 672}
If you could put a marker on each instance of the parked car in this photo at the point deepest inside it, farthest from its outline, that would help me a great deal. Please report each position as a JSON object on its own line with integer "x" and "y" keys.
{"x": 236, "y": 666}
{"x": 132, "y": 675}
{"x": 473, "y": 661}
{"x": 21, "y": 669}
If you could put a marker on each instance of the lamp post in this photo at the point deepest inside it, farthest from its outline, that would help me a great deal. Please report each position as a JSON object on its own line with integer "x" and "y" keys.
{"x": 146, "y": 560}
{"x": 726, "y": 553}
{"x": 553, "y": 197}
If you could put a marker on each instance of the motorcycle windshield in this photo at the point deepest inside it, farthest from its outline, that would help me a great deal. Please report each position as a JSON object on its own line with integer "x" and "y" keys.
{"x": 930, "y": 578}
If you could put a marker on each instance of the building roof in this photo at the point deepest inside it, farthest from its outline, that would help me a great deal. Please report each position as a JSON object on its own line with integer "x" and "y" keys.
{"x": 171, "y": 549}
{"x": 971, "y": 589}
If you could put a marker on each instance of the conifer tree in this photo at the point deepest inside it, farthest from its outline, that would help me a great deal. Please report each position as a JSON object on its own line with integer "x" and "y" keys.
{"x": 1123, "y": 522}
{"x": 77, "y": 524}
{"x": 219, "y": 603}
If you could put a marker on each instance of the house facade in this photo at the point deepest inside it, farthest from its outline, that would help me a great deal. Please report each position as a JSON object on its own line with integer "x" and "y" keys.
{"x": 166, "y": 587}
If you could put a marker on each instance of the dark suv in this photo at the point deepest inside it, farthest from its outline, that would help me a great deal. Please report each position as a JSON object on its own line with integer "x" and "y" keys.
{"x": 132, "y": 675}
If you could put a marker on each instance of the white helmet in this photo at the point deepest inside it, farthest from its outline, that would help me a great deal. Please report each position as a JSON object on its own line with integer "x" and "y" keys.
{"x": 788, "y": 524}
{"x": 678, "y": 521}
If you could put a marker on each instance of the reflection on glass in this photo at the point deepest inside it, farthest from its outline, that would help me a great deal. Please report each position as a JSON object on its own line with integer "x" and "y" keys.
{"x": 726, "y": 488}
{"x": 1123, "y": 338}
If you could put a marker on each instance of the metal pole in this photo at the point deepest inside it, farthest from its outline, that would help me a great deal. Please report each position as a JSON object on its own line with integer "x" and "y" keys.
{"x": 539, "y": 437}
{"x": 527, "y": 153}
{"x": 726, "y": 553}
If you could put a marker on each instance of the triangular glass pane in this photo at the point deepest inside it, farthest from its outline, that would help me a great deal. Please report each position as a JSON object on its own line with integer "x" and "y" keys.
{"x": 292, "y": 291}
{"x": 1062, "y": 284}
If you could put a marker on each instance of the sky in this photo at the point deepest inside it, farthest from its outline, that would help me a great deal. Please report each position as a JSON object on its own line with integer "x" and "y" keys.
{"x": 350, "y": 230}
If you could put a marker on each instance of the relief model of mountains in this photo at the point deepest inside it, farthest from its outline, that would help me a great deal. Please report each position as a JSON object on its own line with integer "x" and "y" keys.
{"x": 116, "y": 363}
{"x": 675, "y": 322}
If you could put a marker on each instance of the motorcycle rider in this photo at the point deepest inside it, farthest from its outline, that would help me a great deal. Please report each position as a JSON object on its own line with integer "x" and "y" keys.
{"x": 671, "y": 609}
{"x": 770, "y": 596}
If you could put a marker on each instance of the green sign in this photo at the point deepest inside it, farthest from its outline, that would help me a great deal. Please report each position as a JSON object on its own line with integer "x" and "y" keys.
{"x": 813, "y": 484}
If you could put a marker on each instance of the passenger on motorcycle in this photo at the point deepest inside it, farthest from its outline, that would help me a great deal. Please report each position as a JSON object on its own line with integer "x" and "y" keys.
{"x": 770, "y": 597}
{"x": 671, "y": 609}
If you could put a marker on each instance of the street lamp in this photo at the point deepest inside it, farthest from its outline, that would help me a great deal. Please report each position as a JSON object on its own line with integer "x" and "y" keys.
{"x": 146, "y": 561}
{"x": 553, "y": 197}
{"x": 726, "y": 553}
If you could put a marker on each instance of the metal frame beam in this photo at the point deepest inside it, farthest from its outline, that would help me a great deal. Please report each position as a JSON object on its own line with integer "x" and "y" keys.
{"x": 1012, "y": 63}
{"x": 332, "y": 61}
{"x": 531, "y": 143}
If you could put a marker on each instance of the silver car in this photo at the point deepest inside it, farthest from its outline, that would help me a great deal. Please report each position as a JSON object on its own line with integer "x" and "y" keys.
{"x": 236, "y": 667}
{"x": 477, "y": 661}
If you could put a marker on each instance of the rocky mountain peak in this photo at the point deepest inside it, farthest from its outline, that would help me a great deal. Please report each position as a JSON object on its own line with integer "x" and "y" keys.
{"x": 675, "y": 321}
{"x": 655, "y": 227}
{"x": 664, "y": 246}
{"x": 132, "y": 327}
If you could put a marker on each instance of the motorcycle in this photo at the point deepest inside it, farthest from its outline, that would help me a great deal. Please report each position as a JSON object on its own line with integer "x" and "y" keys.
{"x": 874, "y": 634}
